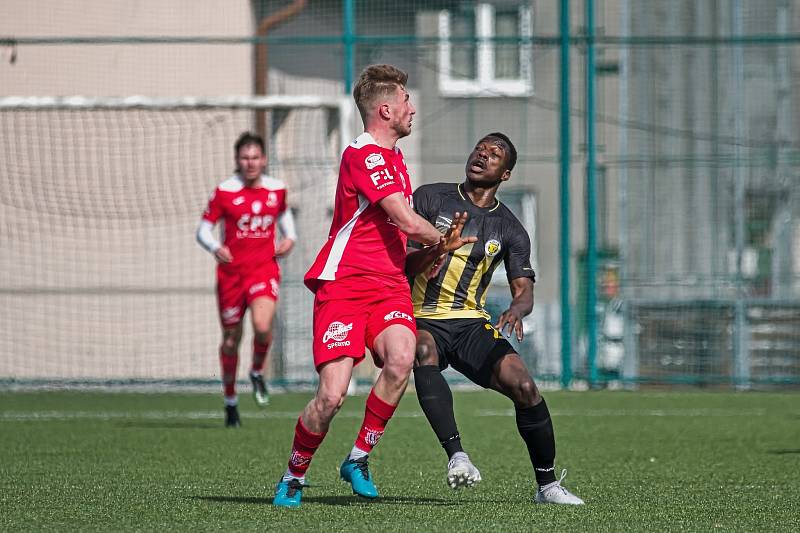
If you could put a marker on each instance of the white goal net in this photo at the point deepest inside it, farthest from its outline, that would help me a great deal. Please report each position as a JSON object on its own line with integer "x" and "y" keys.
{"x": 102, "y": 280}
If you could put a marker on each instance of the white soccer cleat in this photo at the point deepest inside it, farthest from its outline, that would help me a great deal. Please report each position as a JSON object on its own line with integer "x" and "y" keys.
{"x": 555, "y": 493}
{"x": 461, "y": 472}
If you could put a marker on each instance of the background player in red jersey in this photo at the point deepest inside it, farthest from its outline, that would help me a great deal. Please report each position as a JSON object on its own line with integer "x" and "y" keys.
{"x": 361, "y": 293}
{"x": 250, "y": 204}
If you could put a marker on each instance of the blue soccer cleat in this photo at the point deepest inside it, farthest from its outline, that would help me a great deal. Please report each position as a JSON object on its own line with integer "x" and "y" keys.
{"x": 356, "y": 472}
{"x": 288, "y": 493}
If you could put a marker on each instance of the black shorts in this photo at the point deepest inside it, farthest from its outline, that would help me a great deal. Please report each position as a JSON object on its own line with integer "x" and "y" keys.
{"x": 470, "y": 345}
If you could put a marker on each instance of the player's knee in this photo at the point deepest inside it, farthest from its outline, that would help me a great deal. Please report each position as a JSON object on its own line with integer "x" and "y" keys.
{"x": 328, "y": 403}
{"x": 262, "y": 335}
{"x": 525, "y": 392}
{"x": 399, "y": 365}
{"x": 230, "y": 345}
{"x": 425, "y": 355}
{"x": 262, "y": 323}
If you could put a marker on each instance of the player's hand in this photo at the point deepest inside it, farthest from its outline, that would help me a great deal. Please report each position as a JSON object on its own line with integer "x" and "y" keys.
{"x": 437, "y": 265}
{"x": 223, "y": 255}
{"x": 513, "y": 321}
{"x": 284, "y": 247}
{"x": 452, "y": 239}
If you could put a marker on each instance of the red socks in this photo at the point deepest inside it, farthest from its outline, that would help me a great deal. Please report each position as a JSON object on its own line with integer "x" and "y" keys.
{"x": 303, "y": 448}
{"x": 259, "y": 356}
{"x": 228, "y": 364}
{"x": 376, "y": 415}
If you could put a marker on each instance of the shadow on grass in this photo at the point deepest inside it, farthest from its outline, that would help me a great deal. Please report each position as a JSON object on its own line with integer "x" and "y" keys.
{"x": 169, "y": 424}
{"x": 334, "y": 500}
{"x": 785, "y": 451}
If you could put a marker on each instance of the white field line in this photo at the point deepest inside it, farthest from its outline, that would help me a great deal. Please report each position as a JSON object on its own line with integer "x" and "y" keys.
{"x": 44, "y": 416}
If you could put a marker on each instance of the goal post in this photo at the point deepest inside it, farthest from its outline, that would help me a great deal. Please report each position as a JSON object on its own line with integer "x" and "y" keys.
{"x": 103, "y": 279}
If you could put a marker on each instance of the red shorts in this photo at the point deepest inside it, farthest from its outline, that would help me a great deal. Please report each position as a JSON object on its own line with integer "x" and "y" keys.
{"x": 236, "y": 289}
{"x": 349, "y": 314}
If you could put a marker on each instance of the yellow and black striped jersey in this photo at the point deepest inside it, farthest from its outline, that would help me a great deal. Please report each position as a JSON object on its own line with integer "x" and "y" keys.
{"x": 459, "y": 291}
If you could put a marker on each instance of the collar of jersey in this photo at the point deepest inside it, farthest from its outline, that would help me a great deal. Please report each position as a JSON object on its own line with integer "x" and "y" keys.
{"x": 366, "y": 139}
{"x": 466, "y": 199}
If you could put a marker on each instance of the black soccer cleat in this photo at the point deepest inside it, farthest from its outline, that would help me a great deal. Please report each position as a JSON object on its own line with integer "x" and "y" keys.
{"x": 232, "y": 417}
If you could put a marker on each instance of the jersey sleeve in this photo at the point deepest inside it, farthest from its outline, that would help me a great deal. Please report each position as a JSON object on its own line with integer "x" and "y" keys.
{"x": 214, "y": 210}
{"x": 518, "y": 259}
{"x": 372, "y": 177}
{"x": 423, "y": 204}
{"x": 422, "y": 201}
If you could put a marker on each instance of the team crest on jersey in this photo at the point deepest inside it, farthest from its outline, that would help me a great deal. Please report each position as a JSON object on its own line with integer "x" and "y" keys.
{"x": 374, "y": 160}
{"x": 257, "y": 207}
{"x": 272, "y": 199}
{"x": 492, "y": 247}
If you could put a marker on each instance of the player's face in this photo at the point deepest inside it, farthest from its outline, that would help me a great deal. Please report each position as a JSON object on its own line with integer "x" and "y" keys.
{"x": 402, "y": 111}
{"x": 251, "y": 162}
{"x": 486, "y": 165}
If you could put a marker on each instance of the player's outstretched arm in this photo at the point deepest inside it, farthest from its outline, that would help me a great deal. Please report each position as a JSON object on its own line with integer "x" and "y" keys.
{"x": 432, "y": 258}
{"x": 410, "y": 223}
{"x": 521, "y": 306}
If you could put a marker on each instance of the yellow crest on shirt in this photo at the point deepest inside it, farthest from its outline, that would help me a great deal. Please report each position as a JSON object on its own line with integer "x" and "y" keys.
{"x": 492, "y": 247}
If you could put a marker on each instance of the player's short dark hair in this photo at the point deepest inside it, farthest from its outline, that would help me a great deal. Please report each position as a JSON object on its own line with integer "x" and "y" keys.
{"x": 511, "y": 153}
{"x": 374, "y": 82}
{"x": 248, "y": 138}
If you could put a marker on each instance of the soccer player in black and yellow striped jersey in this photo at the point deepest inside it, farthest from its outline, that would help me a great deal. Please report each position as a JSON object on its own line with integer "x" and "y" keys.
{"x": 453, "y": 327}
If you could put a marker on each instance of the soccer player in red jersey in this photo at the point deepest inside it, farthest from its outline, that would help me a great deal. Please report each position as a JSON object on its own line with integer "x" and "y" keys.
{"x": 362, "y": 296}
{"x": 250, "y": 204}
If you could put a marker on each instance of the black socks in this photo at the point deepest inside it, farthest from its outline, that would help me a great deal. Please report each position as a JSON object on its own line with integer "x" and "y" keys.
{"x": 536, "y": 429}
{"x": 436, "y": 400}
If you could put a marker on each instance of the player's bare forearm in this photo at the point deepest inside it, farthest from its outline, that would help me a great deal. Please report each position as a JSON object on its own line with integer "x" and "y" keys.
{"x": 521, "y": 306}
{"x": 522, "y": 296}
{"x": 423, "y": 231}
{"x": 409, "y": 222}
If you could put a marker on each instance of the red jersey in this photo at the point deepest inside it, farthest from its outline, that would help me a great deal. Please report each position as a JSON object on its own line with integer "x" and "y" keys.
{"x": 249, "y": 215}
{"x": 363, "y": 240}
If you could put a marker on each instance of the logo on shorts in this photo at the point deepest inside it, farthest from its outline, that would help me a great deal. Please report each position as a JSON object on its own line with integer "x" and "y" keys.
{"x": 373, "y": 436}
{"x": 492, "y": 247}
{"x": 338, "y": 332}
{"x": 273, "y": 283}
{"x": 257, "y": 287}
{"x": 230, "y": 313}
{"x": 397, "y": 314}
{"x": 374, "y": 160}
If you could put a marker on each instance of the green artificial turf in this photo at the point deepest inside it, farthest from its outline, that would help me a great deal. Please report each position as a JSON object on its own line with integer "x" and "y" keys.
{"x": 643, "y": 461}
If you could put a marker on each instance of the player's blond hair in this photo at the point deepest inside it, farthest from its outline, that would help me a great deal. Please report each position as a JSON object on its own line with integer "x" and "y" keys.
{"x": 374, "y": 83}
